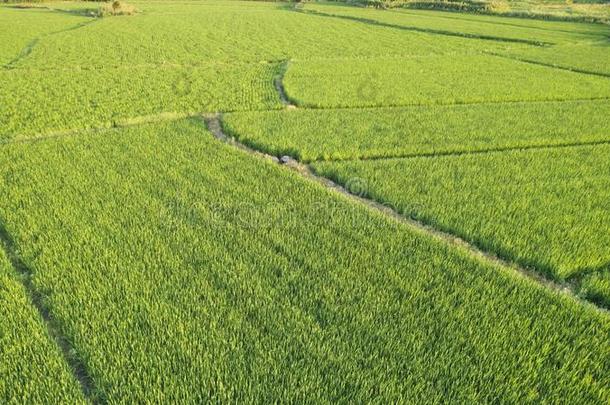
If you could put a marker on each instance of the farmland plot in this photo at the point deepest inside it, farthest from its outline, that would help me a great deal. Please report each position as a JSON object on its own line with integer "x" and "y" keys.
{"x": 574, "y": 46}
{"x": 32, "y": 369}
{"x": 543, "y": 208}
{"x": 408, "y": 131}
{"x": 252, "y": 284}
{"x": 38, "y": 102}
{"x": 434, "y": 80}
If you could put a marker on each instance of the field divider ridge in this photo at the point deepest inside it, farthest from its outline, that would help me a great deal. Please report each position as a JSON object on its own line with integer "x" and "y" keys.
{"x": 549, "y": 65}
{"x": 213, "y": 122}
{"x": 441, "y": 104}
{"x": 76, "y": 366}
{"x": 463, "y": 152}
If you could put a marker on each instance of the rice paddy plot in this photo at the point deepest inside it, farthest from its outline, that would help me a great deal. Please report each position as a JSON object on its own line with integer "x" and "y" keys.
{"x": 249, "y": 284}
{"x": 32, "y": 369}
{"x": 407, "y": 131}
{"x": 40, "y": 102}
{"x": 547, "y": 209}
{"x": 434, "y": 80}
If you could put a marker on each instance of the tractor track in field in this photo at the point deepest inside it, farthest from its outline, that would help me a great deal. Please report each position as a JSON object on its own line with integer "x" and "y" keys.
{"x": 423, "y": 30}
{"x": 213, "y": 122}
{"x": 37, "y": 299}
{"x": 462, "y": 152}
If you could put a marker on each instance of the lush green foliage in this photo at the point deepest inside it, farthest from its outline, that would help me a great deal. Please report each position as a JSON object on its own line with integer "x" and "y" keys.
{"x": 185, "y": 271}
{"x": 32, "y": 369}
{"x": 180, "y": 270}
{"x": 21, "y": 28}
{"x": 406, "y": 131}
{"x": 434, "y": 80}
{"x": 596, "y": 286}
{"x": 486, "y": 26}
{"x": 42, "y": 101}
{"x": 574, "y": 46}
{"x": 196, "y": 32}
{"x": 571, "y": 45}
{"x": 544, "y": 208}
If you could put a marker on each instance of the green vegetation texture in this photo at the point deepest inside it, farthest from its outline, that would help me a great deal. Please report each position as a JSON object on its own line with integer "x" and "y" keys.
{"x": 434, "y": 80}
{"x": 545, "y": 208}
{"x": 151, "y": 263}
{"x": 32, "y": 369}
{"x": 408, "y": 131}
{"x": 195, "y": 272}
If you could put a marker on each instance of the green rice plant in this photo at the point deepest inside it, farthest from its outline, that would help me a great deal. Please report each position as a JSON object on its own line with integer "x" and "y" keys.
{"x": 32, "y": 369}
{"x": 434, "y": 80}
{"x": 39, "y": 103}
{"x": 184, "y": 270}
{"x": 550, "y": 32}
{"x": 595, "y": 286}
{"x": 407, "y": 131}
{"x": 575, "y": 46}
{"x": 231, "y": 31}
{"x": 586, "y": 56}
{"x": 546, "y": 209}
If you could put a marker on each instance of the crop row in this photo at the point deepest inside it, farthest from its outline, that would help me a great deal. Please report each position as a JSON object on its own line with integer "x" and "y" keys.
{"x": 434, "y": 80}
{"x": 197, "y": 273}
{"x": 405, "y": 131}
{"x": 547, "y": 209}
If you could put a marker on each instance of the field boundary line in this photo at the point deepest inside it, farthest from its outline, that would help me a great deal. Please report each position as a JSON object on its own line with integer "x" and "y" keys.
{"x": 563, "y": 145}
{"x": 425, "y": 30}
{"x": 306, "y": 106}
{"x": 549, "y": 65}
{"x": 122, "y": 123}
{"x": 76, "y": 366}
{"x": 214, "y": 125}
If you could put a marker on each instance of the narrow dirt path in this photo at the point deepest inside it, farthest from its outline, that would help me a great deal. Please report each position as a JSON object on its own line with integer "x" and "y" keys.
{"x": 214, "y": 125}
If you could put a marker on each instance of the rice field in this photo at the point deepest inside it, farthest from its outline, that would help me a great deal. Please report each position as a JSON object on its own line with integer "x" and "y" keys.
{"x": 544, "y": 208}
{"x": 368, "y": 133}
{"x": 439, "y": 233}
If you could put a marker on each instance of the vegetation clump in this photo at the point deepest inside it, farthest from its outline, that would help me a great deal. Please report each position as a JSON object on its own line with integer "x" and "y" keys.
{"x": 115, "y": 8}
